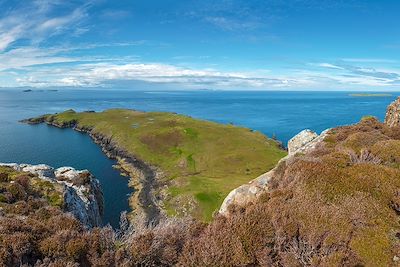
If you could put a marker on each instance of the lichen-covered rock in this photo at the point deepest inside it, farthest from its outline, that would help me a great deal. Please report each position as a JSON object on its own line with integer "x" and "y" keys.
{"x": 392, "y": 117}
{"x": 82, "y": 193}
{"x": 248, "y": 192}
{"x": 301, "y": 140}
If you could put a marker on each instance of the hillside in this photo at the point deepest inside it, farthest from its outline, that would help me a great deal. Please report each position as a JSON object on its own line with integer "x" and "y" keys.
{"x": 333, "y": 201}
{"x": 194, "y": 163}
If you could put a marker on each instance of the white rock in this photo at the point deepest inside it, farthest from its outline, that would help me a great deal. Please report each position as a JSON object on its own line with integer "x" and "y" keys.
{"x": 42, "y": 170}
{"x": 300, "y": 140}
{"x": 392, "y": 117}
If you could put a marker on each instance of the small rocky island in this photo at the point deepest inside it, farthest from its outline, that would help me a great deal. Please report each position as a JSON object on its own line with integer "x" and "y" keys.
{"x": 76, "y": 192}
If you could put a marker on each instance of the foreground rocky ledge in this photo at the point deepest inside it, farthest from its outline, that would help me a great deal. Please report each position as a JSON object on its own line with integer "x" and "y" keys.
{"x": 82, "y": 195}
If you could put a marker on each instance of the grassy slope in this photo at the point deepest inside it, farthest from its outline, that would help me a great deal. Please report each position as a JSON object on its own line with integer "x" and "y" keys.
{"x": 203, "y": 160}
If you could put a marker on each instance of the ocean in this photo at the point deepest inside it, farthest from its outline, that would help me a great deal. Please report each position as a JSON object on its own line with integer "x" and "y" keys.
{"x": 277, "y": 114}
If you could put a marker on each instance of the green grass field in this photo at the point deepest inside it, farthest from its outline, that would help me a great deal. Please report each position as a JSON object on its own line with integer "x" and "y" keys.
{"x": 203, "y": 161}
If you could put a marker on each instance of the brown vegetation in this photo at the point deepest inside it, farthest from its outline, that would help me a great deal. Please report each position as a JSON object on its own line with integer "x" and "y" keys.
{"x": 335, "y": 206}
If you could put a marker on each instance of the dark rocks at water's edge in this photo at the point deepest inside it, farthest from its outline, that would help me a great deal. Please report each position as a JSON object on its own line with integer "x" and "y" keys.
{"x": 148, "y": 203}
{"x": 82, "y": 194}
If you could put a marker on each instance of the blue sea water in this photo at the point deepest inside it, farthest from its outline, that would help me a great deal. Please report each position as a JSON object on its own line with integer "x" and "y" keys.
{"x": 279, "y": 114}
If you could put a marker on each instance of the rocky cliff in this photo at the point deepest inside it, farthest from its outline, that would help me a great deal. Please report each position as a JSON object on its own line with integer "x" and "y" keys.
{"x": 82, "y": 195}
{"x": 392, "y": 117}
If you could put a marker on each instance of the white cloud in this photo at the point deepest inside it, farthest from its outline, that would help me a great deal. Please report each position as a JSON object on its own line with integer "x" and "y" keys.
{"x": 329, "y": 66}
{"x": 8, "y": 37}
{"x": 34, "y": 22}
{"x": 101, "y": 74}
{"x": 31, "y": 56}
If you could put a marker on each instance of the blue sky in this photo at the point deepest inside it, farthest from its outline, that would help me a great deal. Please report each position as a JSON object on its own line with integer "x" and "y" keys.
{"x": 201, "y": 44}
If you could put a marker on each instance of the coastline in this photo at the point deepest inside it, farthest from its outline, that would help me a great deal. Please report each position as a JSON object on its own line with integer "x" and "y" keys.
{"x": 143, "y": 177}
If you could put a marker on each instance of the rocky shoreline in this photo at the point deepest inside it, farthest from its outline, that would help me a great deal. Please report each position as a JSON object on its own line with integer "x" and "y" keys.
{"x": 143, "y": 177}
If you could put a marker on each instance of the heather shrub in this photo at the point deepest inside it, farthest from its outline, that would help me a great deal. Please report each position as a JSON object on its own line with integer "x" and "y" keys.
{"x": 4, "y": 177}
{"x": 161, "y": 245}
{"x": 24, "y": 181}
{"x": 388, "y": 151}
{"x": 243, "y": 239}
{"x": 362, "y": 140}
{"x": 82, "y": 179}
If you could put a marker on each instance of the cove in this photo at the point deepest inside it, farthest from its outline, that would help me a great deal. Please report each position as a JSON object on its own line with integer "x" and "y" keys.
{"x": 36, "y": 144}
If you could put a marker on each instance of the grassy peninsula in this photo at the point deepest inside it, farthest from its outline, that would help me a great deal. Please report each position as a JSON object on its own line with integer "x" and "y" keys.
{"x": 201, "y": 161}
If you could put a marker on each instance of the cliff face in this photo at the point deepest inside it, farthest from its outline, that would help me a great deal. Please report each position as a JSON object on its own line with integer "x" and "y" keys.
{"x": 82, "y": 195}
{"x": 392, "y": 117}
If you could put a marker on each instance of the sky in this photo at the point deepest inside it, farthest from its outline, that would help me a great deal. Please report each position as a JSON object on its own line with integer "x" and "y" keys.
{"x": 201, "y": 44}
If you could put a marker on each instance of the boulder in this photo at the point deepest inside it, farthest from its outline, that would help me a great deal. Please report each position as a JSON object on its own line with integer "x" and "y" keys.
{"x": 301, "y": 140}
{"x": 247, "y": 193}
{"x": 392, "y": 117}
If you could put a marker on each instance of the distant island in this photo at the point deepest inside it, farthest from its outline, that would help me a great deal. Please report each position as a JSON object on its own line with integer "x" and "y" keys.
{"x": 370, "y": 94}
{"x": 30, "y": 90}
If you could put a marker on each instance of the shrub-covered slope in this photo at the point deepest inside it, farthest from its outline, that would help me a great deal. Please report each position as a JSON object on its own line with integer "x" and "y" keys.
{"x": 335, "y": 206}
{"x": 202, "y": 161}
{"x": 35, "y": 230}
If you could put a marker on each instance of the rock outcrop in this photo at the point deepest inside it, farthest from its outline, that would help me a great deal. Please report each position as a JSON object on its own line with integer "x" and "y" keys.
{"x": 82, "y": 193}
{"x": 303, "y": 142}
{"x": 300, "y": 140}
{"x": 392, "y": 117}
